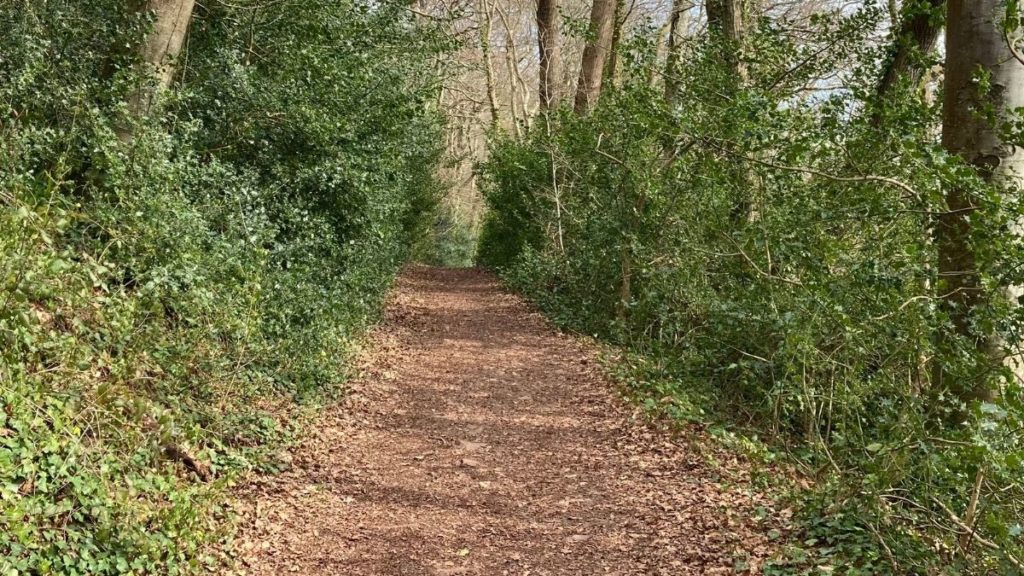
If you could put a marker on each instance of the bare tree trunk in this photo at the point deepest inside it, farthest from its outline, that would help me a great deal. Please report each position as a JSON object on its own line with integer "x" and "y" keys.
{"x": 734, "y": 33}
{"x": 602, "y": 24}
{"x": 160, "y": 50}
{"x": 660, "y": 54}
{"x": 513, "y": 92}
{"x": 679, "y": 24}
{"x": 518, "y": 85}
{"x": 916, "y": 37}
{"x": 974, "y": 41}
{"x": 550, "y": 43}
{"x": 485, "y": 49}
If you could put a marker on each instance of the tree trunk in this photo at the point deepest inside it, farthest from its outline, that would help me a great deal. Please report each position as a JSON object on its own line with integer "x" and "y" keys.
{"x": 726, "y": 21}
{"x": 485, "y": 49}
{"x": 550, "y": 44}
{"x": 513, "y": 92}
{"x": 726, "y": 28}
{"x": 602, "y": 24}
{"x": 679, "y": 24}
{"x": 160, "y": 50}
{"x": 517, "y": 84}
{"x": 611, "y": 67}
{"x": 660, "y": 54}
{"x": 917, "y": 36}
{"x": 974, "y": 42}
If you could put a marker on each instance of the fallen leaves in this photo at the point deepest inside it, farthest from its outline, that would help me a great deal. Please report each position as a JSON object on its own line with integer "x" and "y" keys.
{"x": 480, "y": 442}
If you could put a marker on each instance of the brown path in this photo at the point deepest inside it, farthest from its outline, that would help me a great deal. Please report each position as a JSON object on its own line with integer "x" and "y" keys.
{"x": 482, "y": 442}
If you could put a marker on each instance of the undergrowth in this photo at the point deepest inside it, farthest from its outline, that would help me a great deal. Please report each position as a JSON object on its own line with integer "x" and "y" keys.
{"x": 764, "y": 253}
{"x": 168, "y": 301}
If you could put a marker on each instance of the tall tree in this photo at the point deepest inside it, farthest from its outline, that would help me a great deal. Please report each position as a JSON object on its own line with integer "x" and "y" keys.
{"x": 726, "y": 27}
{"x": 160, "y": 49}
{"x": 517, "y": 86}
{"x": 726, "y": 22}
{"x": 919, "y": 28}
{"x": 679, "y": 23}
{"x": 611, "y": 65}
{"x": 486, "y": 30}
{"x": 595, "y": 53}
{"x": 549, "y": 40}
{"x": 975, "y": 47}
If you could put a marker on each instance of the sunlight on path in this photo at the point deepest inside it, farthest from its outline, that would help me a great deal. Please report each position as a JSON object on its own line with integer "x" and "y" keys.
{"x": 481, "y": 441}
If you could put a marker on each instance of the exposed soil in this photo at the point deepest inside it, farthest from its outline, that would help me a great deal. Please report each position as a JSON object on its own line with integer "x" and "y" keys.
{"x": 481, "y": 441}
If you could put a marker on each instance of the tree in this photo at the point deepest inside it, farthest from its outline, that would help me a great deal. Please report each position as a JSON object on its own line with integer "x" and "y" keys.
{"x": 611, "y": 65}
{"x": 679, "y": 22}
{"x": 517, "y": 85}
{"x": 982, "y": 75}
{"x": 486, "y": 29}
{"x": 726, "y": 22}
{"x": 160, "y": 50}
{"x": 726, "y": 28}
{"x": 550, "y": 43}
{"x": 602, "y": 24}
{"x": 918, "y": 33}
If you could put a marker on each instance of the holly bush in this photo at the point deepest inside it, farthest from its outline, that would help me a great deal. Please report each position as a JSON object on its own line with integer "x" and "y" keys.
{"x": 764, "y": 253}
{"x": 168, "y": 296}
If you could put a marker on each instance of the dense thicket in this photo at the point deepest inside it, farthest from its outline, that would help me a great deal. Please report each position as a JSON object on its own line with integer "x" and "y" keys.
{"x": 169, "y": 280}
{"x": 762, "y": 242}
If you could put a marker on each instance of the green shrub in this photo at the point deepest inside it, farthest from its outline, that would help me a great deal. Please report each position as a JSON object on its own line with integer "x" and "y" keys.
{"x": 779, "y": 270}
{"x": 165, "y": 298}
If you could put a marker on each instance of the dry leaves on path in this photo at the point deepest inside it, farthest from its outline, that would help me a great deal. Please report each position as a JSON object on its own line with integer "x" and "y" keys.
{"x": 480, "y": 441}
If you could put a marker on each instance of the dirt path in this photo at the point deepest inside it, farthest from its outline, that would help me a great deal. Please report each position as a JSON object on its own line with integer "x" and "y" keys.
{"x": 480, "y": 441}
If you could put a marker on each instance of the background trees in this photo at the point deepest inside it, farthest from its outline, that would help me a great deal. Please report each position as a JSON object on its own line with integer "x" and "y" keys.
{"x": 160, "y": 49}
{"x": 595, "y": 54}
{"x": 549, "y": 40}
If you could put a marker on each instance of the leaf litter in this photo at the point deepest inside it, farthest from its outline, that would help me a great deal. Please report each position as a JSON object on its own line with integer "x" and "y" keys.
{"x": 478, "y": 440}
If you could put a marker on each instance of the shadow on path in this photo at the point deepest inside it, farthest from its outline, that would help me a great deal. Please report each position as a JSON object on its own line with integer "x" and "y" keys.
{"x": 481, "y": 441}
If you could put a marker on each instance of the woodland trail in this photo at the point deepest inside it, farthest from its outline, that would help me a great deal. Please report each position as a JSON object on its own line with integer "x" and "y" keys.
{"x": 480, "y": 441}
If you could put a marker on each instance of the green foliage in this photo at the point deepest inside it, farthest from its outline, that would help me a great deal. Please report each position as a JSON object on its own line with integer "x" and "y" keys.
{"x": 164, "y": 297}
{"x": 777, "y": 249}
{"x": 517, "y": 176}
{"x": 451, "y": 241}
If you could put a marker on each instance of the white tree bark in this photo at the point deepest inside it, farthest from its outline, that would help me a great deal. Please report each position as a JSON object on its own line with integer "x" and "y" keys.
{"x": 975, "y": 44}
{"x": 161, "y": 49}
